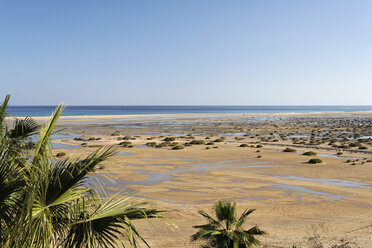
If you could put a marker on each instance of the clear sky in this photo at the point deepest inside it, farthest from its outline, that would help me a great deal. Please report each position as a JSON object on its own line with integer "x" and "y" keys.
{"x": 186, "y": 52}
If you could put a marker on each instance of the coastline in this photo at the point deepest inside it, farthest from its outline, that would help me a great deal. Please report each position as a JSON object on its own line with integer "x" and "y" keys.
{"x": 148, "y": 116}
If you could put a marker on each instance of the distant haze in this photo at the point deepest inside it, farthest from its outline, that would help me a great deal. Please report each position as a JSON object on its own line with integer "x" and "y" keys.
{"x": 278, "y": 52}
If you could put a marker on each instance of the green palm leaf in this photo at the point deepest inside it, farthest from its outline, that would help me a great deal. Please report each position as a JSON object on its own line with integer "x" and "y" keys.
{"x": 227, "y": 231}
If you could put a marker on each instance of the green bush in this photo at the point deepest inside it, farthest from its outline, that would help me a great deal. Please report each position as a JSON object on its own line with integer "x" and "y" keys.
{"x": 151, "y": 144}
{"x": 218, "y": 140}
{"x": 310, "y": 153}
{"x": 339, "y": 153}
{"x": 210, "y": 143}
{"x": 197, "y": 142}
{"x": 178, "y": 147}
{"x": 289, "y": 150}
{"x": 128, "y": 138}
{"x": 363, "y": 147}
{"x": 315, "y": 161}
{"x": 125, "y": 143}
{"x": 259, "y": 146}
{"x": 169, "y": 139}
{"x": 83, "y": 144}
{"x": 244, "y": 145}
{"x": 92, "y": 138}
{"x": 60, "y": 154}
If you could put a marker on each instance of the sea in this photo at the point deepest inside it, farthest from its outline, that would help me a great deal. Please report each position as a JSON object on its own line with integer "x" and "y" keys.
{"x": 204, "y": 109}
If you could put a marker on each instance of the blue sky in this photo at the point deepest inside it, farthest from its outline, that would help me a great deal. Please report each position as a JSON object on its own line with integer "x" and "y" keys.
{"x": 191, "y": 52}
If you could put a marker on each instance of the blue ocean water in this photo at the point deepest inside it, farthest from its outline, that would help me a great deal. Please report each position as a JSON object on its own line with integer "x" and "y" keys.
{"x": 145, "y": 110}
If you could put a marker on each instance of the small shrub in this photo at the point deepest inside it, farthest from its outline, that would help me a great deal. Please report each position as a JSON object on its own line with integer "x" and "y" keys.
{"x": 210, "y": 143}
{"x": 289, "y": 150}
{"x": 92, "y": 138}
{"x": 258, "y": 151}
{"x": 363, "y": 147}
{"x": 208, "y": 147}
{"x": 84, "y": 144}
{"x": 60, "y": 154}
{"x": 151, "y": 144}
{"x": 125, "y": 144}
{"x": 244, "y": 145}
{"x": 169, "y": 139}
{"x": 218, "y": 140}
{"x": 339, "y": 153}
{"x": 259, "y": 146}
{"x": 259, "y": 156}
{"x": 315, "y": 161}
{"x": 197, "y": 142}
{"x": 178, "y": 147}
{"x": 310, "y": 153}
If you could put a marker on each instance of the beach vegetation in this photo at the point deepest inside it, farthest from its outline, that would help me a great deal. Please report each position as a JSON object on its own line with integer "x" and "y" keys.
{"x": 125, "y": 144}
{"x": 289, "y": 150}
{"x": 309, "y": 153}
{"x": 177, "y": 147}
{"x": 60, "y": 154}
{"x": 315, "y": 161}
{"x": 244, "y": 145}
{"x": 169, "y": 139}
{"x": 128, "y": 138}
{"x": 151, "y": 144}
{"x": 227, "y": 230}
{"x": 197, "y": 142}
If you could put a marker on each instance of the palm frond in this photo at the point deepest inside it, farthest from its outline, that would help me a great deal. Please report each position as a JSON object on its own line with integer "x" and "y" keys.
{"x": 23, "y": 128}
{"x": 3, "y": 107}
{"x": 107, "y": 225}
{"x": 243, "y": 218}
{"x": 44, "y": 137}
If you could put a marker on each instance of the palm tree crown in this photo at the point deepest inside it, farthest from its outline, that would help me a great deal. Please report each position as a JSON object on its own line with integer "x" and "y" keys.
{"x": 46, "y": 202}
{"x": 227, "y": 231}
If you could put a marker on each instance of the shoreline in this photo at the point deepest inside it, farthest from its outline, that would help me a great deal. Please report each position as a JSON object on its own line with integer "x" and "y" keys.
{"x": 84, "y": 117}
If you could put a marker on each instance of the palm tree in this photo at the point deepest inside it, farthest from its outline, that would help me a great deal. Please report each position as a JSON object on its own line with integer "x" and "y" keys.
{"x": 227, "y": 231}
{"x": 47, "y": 203}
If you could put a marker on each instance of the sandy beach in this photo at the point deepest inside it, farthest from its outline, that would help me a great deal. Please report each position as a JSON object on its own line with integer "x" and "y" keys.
{"x": 239, "y": 158}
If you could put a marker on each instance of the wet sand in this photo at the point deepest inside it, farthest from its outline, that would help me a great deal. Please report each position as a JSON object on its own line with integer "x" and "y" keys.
{"x": 297, "y": 202}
